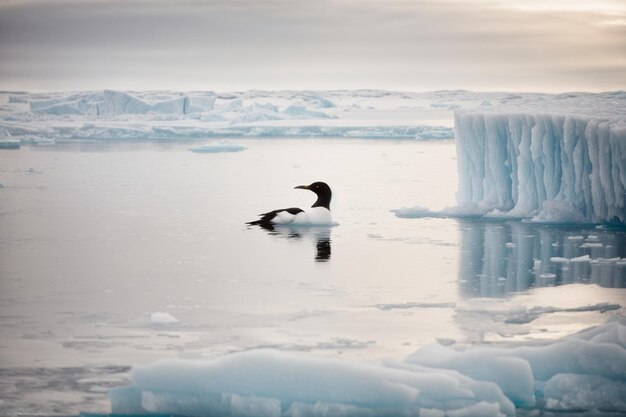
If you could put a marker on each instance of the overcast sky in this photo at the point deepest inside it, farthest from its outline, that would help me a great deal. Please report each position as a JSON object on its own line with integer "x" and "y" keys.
{"x": 514, "y": 45}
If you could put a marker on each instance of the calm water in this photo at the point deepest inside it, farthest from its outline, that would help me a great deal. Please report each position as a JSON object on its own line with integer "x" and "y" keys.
{"x": 94, "y": 238}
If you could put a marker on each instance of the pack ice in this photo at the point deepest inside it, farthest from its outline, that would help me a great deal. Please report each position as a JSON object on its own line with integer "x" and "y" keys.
{"x": 585, "y": 371}
{"x": 110, "y": 114}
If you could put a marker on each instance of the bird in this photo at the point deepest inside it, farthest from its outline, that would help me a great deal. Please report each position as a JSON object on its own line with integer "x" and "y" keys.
{"x": 318, "y": 214}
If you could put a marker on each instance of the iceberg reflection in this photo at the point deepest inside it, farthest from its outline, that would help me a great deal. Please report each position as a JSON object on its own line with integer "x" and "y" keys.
{"x": 499, "y": 258}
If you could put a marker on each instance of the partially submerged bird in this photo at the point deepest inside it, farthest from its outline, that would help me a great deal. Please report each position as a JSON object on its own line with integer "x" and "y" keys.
{"x": 318, "y": 214}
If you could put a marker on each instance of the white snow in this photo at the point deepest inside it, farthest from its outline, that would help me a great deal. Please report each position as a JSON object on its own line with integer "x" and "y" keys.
{"x": 585, "y": 371}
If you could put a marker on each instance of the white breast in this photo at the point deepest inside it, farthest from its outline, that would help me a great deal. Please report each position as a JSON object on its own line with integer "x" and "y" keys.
{"x": 314, "y": 216}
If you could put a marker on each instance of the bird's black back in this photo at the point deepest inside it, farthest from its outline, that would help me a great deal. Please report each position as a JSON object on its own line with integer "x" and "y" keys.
{"x": 266, "y": 218}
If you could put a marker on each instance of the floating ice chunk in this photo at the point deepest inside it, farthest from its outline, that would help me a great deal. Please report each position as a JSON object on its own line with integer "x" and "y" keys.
{"x": 612, "y": 332}
{"x": 465, "y": 211}
{"x": 513, "y": 375}
{"x": 584, "y": 258}
{"x": 162, "y": 318}
{"x": 572, "y": 392}
{"x": 559, "y": 259}
{"x": 602, "y": 355}
{"x": 591, "y": 245}
{"x": 218, "y": 148}
{"x": 264, "y": 382}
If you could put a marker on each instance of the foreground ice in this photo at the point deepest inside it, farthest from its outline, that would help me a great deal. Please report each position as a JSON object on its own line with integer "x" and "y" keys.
{"x": 582, "y": 372}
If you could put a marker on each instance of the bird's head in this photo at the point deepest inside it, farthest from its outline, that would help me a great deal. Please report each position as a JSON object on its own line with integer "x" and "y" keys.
{"x": 323, "y": 192}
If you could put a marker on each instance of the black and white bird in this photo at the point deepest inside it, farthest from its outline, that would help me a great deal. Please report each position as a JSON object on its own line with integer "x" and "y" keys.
{"x": 318, "y": 214}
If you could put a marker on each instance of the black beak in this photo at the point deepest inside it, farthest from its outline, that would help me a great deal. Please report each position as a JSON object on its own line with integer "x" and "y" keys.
{"x": 302, "y": 187}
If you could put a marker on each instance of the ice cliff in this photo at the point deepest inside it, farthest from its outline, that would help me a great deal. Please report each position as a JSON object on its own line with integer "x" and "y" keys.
{"x": 543, "y": 166}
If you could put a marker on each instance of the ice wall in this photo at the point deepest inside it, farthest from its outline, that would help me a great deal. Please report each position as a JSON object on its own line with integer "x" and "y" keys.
{"x": 552, "y": 168}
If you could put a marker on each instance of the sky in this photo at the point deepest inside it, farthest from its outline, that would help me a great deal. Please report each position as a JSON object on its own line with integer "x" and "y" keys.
{"x": 226, "y": 45}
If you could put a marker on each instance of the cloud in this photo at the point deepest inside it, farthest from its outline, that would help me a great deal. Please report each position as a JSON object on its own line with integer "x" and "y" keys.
{"x": 414, "y": 45}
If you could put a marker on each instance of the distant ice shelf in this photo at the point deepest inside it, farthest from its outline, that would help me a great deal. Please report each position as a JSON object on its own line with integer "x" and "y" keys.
{"x": 583, "y": 372}
{"x": 160, "y": 115}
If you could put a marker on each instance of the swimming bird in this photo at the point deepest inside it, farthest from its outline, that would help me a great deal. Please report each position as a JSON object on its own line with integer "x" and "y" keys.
{"x": 318, "y": 214}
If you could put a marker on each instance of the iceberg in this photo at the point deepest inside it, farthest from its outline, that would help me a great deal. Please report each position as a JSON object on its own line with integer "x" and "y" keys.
{"x": 549, "y": 168}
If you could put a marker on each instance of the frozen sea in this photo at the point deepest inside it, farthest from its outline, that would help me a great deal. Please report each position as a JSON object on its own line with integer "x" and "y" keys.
{"x": 114, "y": 254}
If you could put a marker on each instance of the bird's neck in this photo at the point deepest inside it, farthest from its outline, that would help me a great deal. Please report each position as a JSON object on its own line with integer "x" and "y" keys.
{"x": 322, "y": 201}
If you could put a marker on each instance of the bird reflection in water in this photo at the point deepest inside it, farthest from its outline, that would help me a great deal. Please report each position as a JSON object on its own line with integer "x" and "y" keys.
{"x": 319, "y": 234}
